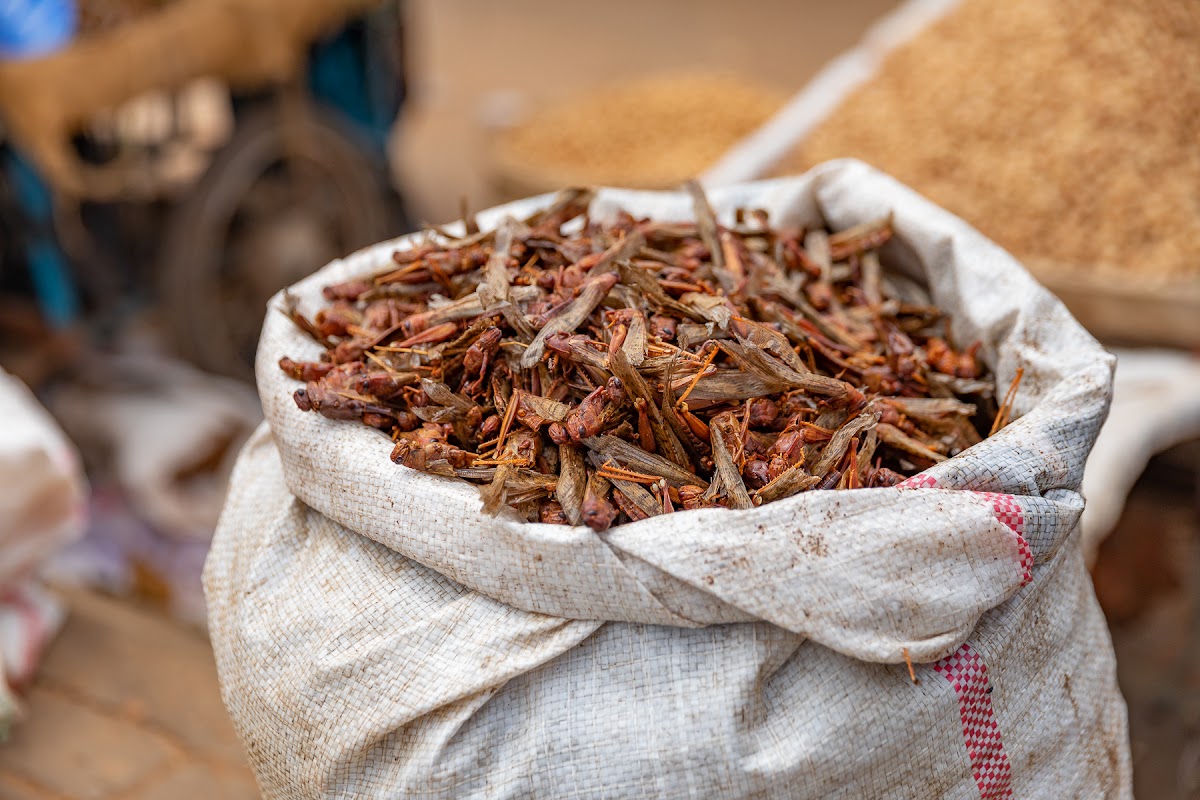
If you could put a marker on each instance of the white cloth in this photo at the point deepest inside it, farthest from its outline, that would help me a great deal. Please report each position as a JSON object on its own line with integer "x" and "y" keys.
{"x": 1156, "y": 405}
{"x": 43, "y": 507}
{"x": 43, "y": 494}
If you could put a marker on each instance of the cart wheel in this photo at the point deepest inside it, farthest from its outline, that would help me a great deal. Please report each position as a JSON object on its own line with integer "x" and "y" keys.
{"x": 276, "y": 204}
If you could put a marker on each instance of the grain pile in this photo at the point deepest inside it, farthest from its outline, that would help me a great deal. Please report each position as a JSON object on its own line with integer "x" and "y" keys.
{"x": 653, "y": 133}
{"x": 1068, "y": 130}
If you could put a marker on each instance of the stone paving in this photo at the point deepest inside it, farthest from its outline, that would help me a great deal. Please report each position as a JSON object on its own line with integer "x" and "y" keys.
{"x": 125, "y": 707}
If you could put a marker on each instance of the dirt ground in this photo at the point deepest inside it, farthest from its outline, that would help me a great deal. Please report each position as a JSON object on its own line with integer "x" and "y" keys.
{"x": 1148, "y": 581}
{"x": 125, "y": 707}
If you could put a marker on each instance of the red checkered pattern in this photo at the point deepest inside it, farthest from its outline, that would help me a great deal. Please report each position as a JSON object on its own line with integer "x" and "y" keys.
{"x": 1004, "y": 507}
{"x": 1009, "y": 513}
{"x": 919, "y": 481}
{"x": 965, "y": 671}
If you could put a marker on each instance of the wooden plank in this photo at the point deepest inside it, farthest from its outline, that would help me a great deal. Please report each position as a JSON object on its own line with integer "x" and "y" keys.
{"x": 1123, "y": 308}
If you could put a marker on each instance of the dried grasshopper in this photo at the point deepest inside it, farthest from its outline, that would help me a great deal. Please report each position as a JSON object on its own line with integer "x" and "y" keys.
{"x": 600, "y": 372}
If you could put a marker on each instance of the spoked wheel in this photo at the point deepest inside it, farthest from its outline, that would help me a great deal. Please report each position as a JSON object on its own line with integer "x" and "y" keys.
{"x": 288, "y": 194}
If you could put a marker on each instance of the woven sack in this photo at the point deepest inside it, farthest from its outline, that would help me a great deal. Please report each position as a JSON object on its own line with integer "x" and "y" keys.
{"x": 377, "y": 636}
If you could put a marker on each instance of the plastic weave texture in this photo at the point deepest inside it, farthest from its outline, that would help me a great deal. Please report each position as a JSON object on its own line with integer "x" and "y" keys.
{"x": 377, "y": 636}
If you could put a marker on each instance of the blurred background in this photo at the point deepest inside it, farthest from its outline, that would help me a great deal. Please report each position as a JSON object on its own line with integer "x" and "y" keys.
{"x": 168, "y": 165}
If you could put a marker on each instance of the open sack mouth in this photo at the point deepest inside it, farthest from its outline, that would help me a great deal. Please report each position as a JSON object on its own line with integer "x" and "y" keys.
{"x": 601, "y": 372}
{"x": 560, "y": 391}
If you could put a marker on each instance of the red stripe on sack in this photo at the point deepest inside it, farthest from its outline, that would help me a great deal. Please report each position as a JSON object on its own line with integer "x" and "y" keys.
{"x": 919, "y": 481}
{"x": 1009, "y": 513}
{"x": 966, "y": 673}
{"x": 1005, "y": 508}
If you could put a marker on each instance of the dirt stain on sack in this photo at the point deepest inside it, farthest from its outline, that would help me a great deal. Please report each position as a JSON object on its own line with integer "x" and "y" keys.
{"x": 1070, "y": 695}
{"x": 812, "y": 544}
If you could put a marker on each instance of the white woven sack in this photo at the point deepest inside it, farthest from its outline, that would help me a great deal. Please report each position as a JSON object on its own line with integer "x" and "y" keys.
{"x": 43, "y": 492}
{"x": 377, "y": 636}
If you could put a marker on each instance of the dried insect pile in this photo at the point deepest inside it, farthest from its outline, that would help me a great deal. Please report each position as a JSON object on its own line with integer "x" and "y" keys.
{"x": 624, "y": 370}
